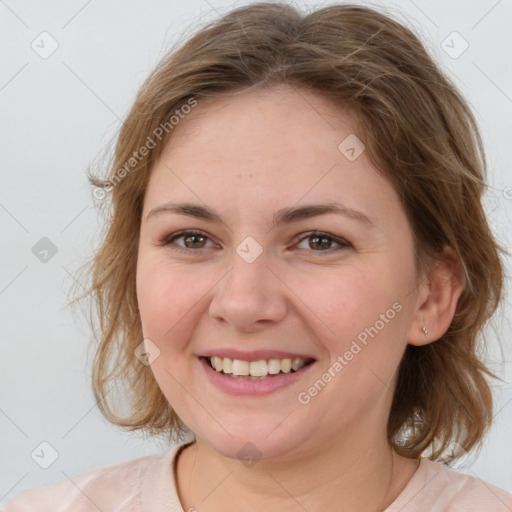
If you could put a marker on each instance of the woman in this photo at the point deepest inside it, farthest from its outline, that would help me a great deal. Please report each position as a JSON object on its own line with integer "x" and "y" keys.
{"x": 295, "y": 276}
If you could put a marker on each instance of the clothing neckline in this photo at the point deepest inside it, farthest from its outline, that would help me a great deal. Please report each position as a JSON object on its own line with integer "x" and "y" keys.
{"x": 411, "y": 487}
{"x": 166, "y": 499}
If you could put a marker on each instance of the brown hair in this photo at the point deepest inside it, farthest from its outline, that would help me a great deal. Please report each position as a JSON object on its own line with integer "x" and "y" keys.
{"x": 418, "y": 131}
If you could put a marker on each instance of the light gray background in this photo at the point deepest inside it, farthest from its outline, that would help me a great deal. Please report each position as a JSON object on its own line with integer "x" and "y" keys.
{"x": 58, "y": 113}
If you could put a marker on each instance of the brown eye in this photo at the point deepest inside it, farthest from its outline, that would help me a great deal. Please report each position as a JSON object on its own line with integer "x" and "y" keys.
{"x": 194, "y": 240}
{"x": 191, "y": 240}
{"x": 322, "y": 242}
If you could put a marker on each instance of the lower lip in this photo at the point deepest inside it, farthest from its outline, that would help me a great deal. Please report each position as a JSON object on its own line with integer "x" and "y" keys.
{"x": 236, "y": 386}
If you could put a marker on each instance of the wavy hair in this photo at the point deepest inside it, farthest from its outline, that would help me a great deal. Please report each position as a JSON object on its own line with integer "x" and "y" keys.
{"x": 418, "y": 131}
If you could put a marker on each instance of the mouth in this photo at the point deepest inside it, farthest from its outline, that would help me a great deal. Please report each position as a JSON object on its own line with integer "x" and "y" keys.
{"x": 263, "y": 369}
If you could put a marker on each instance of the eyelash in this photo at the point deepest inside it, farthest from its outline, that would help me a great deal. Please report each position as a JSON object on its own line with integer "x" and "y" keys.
{"x": 169, "y": 240}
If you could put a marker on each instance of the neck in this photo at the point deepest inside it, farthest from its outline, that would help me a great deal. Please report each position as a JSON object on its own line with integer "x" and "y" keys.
{"x": 348, "y": 474}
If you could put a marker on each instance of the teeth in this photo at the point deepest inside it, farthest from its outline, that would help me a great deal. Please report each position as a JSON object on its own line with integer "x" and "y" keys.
{"x": 261, "y": 368}
{"x": 240, "y": 367}
{"x": 274, "y": 366}
{"x": 258, "y": 368}
{"x": 286, "y": 365}
{"x": 296, "y": 364}
{"x": 226, "y": 365}
{"x": 217, "y": 363}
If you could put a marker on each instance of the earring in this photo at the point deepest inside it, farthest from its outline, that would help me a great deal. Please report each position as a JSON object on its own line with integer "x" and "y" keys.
{"x": 425, "y": 331}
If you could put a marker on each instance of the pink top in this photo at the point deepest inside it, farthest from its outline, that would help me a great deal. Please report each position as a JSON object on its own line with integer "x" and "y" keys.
{"x": 148, "y": 484}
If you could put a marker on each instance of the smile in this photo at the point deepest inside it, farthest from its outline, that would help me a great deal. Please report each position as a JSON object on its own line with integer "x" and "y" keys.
{"x": 257, "y": 378}
{"x": 255, "y": 370}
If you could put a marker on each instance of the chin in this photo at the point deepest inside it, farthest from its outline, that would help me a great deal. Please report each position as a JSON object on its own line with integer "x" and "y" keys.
{"x": 249, "y": 445}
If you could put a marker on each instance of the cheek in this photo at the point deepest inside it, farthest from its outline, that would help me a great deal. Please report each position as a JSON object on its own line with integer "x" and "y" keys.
{"x": 168, "y": 304}
{"x": 360, "y": 317}
{"x": 345, "y": 302}
{"x": 167, "y": 298}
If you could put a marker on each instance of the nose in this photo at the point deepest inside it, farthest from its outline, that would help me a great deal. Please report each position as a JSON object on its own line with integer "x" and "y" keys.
{"x": 250, "y": 296}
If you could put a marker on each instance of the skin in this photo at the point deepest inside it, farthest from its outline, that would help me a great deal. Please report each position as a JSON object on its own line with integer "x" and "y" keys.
{"x": 245, "y": 157}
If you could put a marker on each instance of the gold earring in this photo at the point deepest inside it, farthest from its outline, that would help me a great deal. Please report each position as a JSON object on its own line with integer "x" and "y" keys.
{"x": 424, "y": 329}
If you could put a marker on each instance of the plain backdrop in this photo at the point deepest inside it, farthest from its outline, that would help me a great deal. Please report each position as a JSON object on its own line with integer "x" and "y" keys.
{"x": 58, "y": 111}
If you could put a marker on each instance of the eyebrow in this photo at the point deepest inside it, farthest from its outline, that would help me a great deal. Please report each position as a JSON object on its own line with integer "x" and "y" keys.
{"x": 283, "y": 216}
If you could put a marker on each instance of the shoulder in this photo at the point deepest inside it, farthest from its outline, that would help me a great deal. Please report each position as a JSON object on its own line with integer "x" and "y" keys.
{"x": 114, "y": 488}
{"x": 475, "y": 493}
{"x": 437, "y": 487}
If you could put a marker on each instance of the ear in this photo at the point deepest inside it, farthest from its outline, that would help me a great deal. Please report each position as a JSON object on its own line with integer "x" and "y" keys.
{"x": 437, "y": 299}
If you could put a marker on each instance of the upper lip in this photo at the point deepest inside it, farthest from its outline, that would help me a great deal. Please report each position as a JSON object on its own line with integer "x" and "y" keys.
{"x": 254, "y": 355}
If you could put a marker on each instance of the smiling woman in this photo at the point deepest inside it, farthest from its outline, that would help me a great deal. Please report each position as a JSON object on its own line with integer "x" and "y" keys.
{"x": 293, "y": 284}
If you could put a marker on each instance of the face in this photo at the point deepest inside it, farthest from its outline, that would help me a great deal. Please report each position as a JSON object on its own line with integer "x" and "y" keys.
{"x": 335, "y": 290}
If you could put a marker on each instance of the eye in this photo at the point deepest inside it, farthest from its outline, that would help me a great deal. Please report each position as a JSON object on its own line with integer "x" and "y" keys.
{"x": 320, "y": 239}
{"x": 192, "y": 240}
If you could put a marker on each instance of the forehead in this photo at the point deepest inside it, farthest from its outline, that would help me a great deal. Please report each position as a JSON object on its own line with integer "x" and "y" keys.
{"x": 279, "y": 146}
{"x": 267, "y": 122}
